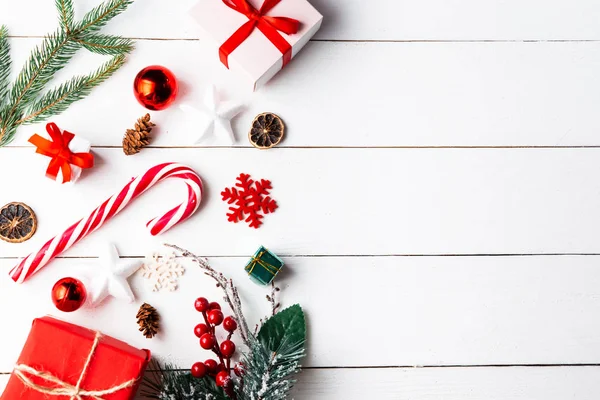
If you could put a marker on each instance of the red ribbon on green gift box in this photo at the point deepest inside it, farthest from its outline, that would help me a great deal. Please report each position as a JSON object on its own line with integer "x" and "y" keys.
{"x": 58, "y": 150}
{"x": 269, "y": 26}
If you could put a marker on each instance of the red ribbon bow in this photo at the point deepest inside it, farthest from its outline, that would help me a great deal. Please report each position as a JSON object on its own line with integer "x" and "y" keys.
{"x": 58, "y": 149}
{"x": 269, "y": 26}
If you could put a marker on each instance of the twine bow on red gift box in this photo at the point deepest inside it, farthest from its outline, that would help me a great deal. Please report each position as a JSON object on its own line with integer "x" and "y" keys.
{"x": 58, "y": 150}
{"x": 269, "y": 26}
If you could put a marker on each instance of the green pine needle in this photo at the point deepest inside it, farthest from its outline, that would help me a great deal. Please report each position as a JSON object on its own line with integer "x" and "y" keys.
{"x": 59, "y": 99}
{"x": 99, "y": 16}
{"x": 106, "y": 44}
{"x": 4, "y": 64}
{"x": 23, "y": 102}
{"x": 66, "y": 13}
{"x": 44, "y": 62}
{"x": 169, "y": 383}
{"x": 268, "y": 374}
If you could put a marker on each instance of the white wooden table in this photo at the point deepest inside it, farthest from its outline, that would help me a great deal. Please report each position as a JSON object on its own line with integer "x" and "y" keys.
{"x": 438, "y": 188}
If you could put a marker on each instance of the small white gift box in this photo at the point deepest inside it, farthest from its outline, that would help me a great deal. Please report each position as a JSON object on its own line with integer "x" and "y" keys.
{"x": 251, "y": 34}
{"x": 60, "y": 148}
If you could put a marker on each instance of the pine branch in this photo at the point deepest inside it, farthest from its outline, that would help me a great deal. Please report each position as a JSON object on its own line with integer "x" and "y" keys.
{"x": 274, "y": 357}
{"x": 106, "y": 44}
{"x": 99, "y": 16}
{"x": 44, "y": 62}
{"x": 51, "y": 56}
{"x": 267, "y": 374}
{"x": 66, "y": 13}
{"x": 168, "y": 383}
{"x": 5, "y": 65}
{"x": 59, "y": 99}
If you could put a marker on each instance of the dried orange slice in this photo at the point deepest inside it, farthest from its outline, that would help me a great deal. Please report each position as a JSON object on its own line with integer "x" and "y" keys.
{"x": 17, "y": 223}
{"x": 267, "y": 131}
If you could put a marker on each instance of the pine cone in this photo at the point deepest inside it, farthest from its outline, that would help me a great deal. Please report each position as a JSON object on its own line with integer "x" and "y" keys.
{"x": 147, "y": 319}
{"x": 135, "y": 139}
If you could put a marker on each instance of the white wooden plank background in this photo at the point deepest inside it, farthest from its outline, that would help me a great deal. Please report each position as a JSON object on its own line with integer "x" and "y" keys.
{"x": 406, "y": 200}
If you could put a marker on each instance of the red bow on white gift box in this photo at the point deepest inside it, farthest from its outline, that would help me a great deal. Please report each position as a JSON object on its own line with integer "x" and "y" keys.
{"x": 269, "y": 26}
{"x": 58, "y": 149}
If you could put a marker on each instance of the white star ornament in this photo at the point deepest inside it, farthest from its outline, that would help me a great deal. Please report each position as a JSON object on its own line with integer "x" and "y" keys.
{"x": 109, "y": 277}
{"x": 216, "y": 116}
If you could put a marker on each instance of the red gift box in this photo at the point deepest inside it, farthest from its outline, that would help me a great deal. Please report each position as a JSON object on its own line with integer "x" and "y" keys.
{"x": 59, "y": 355}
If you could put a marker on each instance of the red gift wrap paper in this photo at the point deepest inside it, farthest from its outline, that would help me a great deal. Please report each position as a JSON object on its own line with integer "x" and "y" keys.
{"x": 61, "y": 350}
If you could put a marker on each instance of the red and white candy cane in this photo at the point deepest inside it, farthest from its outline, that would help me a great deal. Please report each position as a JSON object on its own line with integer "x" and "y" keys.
{"x": 62, "y": 242}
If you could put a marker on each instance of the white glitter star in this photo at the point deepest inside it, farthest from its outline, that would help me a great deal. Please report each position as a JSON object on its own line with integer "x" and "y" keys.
{"x": 109, "y": 278}
{"x": 216, "y": 115}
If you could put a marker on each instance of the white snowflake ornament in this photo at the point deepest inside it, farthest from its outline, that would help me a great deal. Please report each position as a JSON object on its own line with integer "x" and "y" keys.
{"x": 216, "y": 115}
{"x": 110, "y": 277}
{"x": 162, "y": 272}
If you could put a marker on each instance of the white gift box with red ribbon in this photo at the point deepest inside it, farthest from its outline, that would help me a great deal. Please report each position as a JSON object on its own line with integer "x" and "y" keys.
{"x": 251, "y": 34}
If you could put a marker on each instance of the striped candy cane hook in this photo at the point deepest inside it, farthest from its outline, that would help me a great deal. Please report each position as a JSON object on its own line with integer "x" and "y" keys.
{"x": 111, "y": 207}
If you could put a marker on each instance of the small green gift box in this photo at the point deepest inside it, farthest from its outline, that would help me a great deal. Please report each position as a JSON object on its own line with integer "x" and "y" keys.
{"x": 263, "y": 266}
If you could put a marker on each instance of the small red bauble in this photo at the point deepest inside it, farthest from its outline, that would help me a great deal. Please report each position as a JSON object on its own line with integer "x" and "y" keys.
{"x": 207, "y": 341}
{"x": 68, "y": 294}
{"x": 215, "y": 317}
{"x": 201, "y": 304}
{"x": 155, "y": 87}
{"x": 200, "y": 330}
{"x": 229, "y": 324}
{"x": 222, "y": 379}
{"x": 214, "y": 306}
{"x": 227, "y": 348}
{"x": 211, "y": 365}
{"x": 199, "y": 370}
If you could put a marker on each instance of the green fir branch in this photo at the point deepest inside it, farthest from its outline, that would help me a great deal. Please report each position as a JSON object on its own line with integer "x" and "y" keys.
{"x": 59, "y": 99}
{"x": 44, "y": 62}
{"x": 5, "y": 65}
{"x": 267, "y": 374}
{"x": 100, "y": 15}
{"x": 274, "y": 357}
{"x": 66, "y": 14}
{"x": 168, "y": 383}
{"x": 106, "y": 44}
{"x": 51, "y": 56}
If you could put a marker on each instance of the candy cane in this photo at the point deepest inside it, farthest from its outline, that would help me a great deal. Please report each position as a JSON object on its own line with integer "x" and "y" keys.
{"x": 111, "y": 207}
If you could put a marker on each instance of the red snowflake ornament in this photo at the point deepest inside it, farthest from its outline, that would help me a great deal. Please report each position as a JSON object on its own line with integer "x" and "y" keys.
{"x": 250, "y": 198}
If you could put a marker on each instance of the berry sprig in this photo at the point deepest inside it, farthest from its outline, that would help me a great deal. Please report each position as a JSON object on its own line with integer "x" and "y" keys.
{"x": 221, "y": 370}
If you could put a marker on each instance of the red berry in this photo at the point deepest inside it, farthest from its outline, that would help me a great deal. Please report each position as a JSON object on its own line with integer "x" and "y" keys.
{"x": 199, "y": 370}
{"x": 215, "y": 317}
{"x": 207, "y": 341}
{"x": 220, "y": 368}
{"x": 229, "y": 324}
{"x": 227, "y": 348}
{"x": 201, "y": 304}
{"x": 222, "y": 379}
{"x": 239, "y": 369}
{"x": 214, "y": 306}
{"x": 211, "y": 365}
{"x": 201, "y": 329}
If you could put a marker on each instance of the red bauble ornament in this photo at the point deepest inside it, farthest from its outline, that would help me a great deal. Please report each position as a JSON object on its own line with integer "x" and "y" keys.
{"x": 222, "y": 379}
{"x": 155, "y": 87}
{"x": 68, "y": 294}
{"x": 201, "y": 304}
{"x": 227, "y": 348}
{"x": 229, "y": 324}
{"x": 207, "y": 341}
{"x": 199, "y": 370}
{"x": 215, "y": 317}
